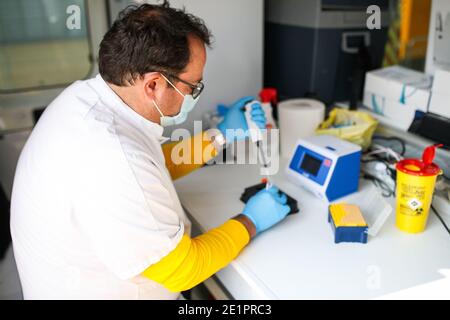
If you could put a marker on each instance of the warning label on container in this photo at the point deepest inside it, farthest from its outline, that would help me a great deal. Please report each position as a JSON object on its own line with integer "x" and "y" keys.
{"x": 414, "y": 204}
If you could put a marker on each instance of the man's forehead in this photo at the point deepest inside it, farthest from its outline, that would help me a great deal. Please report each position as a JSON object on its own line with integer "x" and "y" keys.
{"x": 197, "y": 61}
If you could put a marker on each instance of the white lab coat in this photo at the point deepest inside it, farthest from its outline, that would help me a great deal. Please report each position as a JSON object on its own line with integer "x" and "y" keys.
{"x": 93, "y": 204}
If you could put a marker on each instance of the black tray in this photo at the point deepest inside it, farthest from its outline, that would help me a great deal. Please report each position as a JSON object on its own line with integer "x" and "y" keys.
{"x": 250, "y": 191}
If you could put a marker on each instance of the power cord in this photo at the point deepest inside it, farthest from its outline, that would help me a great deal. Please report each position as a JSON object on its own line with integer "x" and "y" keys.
{"x": 378, "y": 150}
{"x": 386, "y": 190}
{"x": 402, "y": 143}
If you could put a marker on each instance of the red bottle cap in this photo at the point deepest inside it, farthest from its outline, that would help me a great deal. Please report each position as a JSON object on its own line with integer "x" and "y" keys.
{"x": 429, "y": 153}
{"x": 421, "y": 167}
{"x": 268, "y": 95}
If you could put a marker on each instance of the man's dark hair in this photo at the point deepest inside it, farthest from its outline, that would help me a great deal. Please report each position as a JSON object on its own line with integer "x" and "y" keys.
{"x": 148, "y": 38}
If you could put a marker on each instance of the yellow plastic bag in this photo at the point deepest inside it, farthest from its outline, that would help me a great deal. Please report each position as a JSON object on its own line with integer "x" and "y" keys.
{"x": 354, "y": 126}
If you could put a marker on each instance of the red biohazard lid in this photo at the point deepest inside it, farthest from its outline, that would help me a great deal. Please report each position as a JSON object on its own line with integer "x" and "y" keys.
{"x": 421, "y": 167}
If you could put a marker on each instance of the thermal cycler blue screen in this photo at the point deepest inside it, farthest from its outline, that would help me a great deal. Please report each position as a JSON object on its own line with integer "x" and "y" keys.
{"x": 310, "y": 164}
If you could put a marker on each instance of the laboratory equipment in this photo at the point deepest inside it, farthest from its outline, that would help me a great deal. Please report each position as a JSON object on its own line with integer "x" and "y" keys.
{"x": 325, "y": 165}
{"x": 347, "y": 223}
{"x": 255, "y": 133}
{"x": 269, "y": 103}
{"x": 252, "y": 190}
{"x": 373, "y": 206}
{"x": 416, "y": 179}
{"x": 433, "y": 127}
{"x": 394, "y": 95}
{"x": 256, "y": 137}
{"x": 313, "y": 48}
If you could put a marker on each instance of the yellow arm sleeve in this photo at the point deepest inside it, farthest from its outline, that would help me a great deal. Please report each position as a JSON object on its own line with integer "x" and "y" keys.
{"x": 188, "y": 155}
{"x": 195, "y": 260}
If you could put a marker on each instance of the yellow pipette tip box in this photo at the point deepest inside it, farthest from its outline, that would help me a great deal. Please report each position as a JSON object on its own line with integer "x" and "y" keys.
{"x": 348, "y": 223}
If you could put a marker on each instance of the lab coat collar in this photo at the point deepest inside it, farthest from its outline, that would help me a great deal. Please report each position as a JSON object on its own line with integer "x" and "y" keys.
{"x": 114, "y": 101}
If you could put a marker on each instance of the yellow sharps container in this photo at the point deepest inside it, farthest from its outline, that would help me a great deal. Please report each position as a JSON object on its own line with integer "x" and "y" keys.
{"x": 416, "y": 179}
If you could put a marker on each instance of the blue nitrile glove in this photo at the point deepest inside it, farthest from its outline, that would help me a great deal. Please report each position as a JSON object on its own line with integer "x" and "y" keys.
{"x": 266, "y": 208}
{"x": 235, "y": 119}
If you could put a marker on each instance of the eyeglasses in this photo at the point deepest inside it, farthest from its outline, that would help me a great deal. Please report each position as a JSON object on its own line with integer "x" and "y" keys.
{"x": 196, "y": 88}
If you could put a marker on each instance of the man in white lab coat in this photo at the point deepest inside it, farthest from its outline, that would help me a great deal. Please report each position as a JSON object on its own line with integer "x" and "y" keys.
{"x": 94, "y": 212}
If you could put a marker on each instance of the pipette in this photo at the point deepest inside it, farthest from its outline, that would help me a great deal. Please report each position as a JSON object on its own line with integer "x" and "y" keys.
{"x": 257, "y": 138}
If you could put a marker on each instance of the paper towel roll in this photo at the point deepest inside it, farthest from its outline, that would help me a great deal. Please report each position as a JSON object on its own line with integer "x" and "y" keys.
{"x": 298, "y": 118}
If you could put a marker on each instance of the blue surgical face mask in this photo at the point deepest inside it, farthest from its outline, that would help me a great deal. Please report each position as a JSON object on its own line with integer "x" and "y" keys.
{"x": 187, "y": 105}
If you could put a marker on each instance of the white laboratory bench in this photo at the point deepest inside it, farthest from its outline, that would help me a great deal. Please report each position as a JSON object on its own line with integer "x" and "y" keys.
{"x": 298, "y": 259}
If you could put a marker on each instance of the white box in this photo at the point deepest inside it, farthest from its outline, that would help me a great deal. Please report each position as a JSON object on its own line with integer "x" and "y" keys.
{"x": 394, "y": 94}
{"x": 389, "y": 111}
{"x": 440, "y": 94}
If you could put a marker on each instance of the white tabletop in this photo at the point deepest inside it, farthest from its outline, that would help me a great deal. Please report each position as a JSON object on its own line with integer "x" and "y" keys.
{"x": 298, "y": 259}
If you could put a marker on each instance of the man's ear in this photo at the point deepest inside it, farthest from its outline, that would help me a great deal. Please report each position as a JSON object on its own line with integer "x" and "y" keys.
{"x": 153, "y": 84}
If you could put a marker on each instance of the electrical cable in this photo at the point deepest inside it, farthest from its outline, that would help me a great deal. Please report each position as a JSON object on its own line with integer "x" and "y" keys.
{"x": 387, "y": 191}
{"x": 402, "y": 143}
{"x": 379, "y": 149}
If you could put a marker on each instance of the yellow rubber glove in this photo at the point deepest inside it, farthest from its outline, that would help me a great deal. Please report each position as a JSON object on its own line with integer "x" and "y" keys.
{"x": 183, "y": 157}
{"x": 195, "y": 260}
